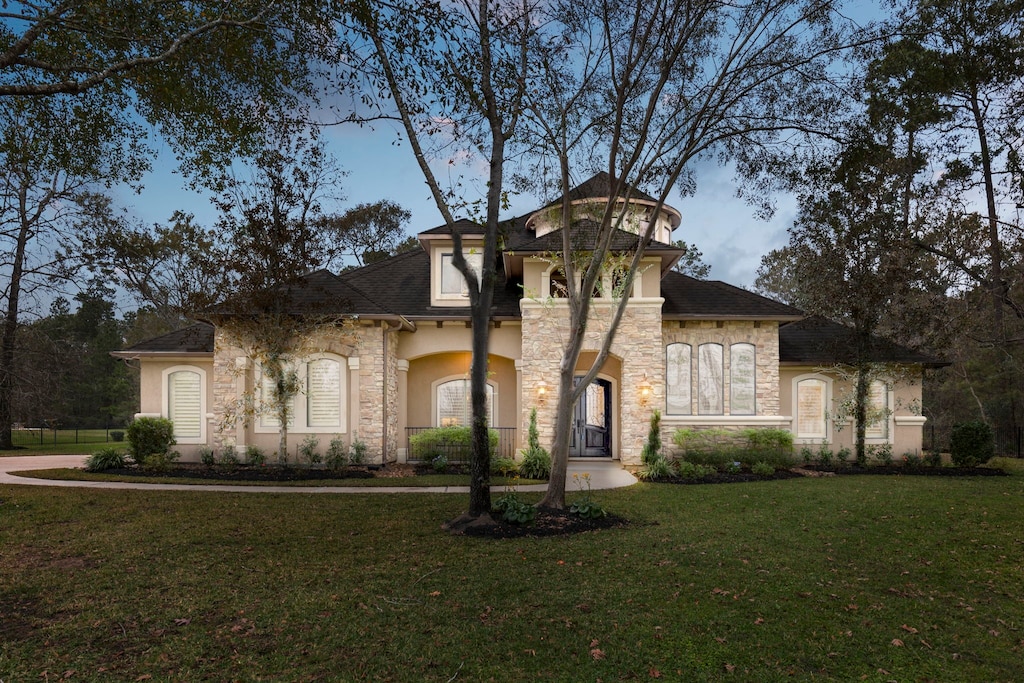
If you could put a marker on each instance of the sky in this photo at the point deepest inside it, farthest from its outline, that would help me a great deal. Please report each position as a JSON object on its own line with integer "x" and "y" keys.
{"x": 714, "y": 220}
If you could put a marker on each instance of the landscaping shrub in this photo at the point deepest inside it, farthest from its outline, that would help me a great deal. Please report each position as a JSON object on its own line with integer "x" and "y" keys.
{"x": 504, "y": 466}
{"x": 762, "y": 469}
{"x": 117, "y": 435}
{"x": 357, "y": 452}
{"x": 206, "y": 456}
{"x": 454, "y": 443}
{"x": 536, "y": 462}
{"x": 769, "y": 441}
{"x": 254, "y": 455}
{"x": 228, "y": 458}
{"x": 105, "y": 459}
{"x": 971, "y": 444}
{"x": 337, "y": 454}
{"x": 150, "y": 436}
{"x": 308, "y": 451}
{"x": 160, "y": 462}
{"x": 656, "y": 469}
{"x": 825, "y": 455}
{"x": 513, "y": 510}
{"x": 585, "y": 506}
{"x": 440, "y": 463}
{"x": 689, "y": 470}
{"x": 843, "y": 456}
{"x": 882, "y": 454}
{"x": 652, "y": 448}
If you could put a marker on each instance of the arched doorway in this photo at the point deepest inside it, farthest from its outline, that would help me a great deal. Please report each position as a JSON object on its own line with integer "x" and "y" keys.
{"x": 592, "y": 420}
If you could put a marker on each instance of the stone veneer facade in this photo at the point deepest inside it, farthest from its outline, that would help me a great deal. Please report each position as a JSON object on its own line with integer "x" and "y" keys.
{"x": 371, "y": 350}
{"x": 545, "y": 328}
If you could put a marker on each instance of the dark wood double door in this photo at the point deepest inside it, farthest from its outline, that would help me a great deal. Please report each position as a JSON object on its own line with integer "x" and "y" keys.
{"x": 592, "y": 434}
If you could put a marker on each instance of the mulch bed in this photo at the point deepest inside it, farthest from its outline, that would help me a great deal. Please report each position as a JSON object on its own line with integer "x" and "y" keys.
{"x": 814, "y": 471}
{"x": 269, "y": 473}
{"x": 548, "y": 522}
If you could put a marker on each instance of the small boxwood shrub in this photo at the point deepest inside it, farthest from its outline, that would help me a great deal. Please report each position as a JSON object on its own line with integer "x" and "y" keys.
{"x": 150, "y": 436}
{"x": 255, "y": 456}
{"x": 105, "y": 459}
{"x": 117, "y": 435}
{"x": 971, "y": 444}
{"x": 337, "y": 454}
{"x": 454, "y": 443}
{"x": 762, "y": 469}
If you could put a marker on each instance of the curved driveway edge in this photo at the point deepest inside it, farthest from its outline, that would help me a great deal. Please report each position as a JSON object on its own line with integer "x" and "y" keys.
{"x": 603, "y": 475}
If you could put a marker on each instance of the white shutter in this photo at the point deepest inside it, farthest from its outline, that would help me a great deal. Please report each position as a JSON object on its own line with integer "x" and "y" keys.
{"x": 185, "y": 403}
{"x": 810, "y": 411}
{"x": 268, "y": 413}
{"x": 878, "y": 411}
{"x": 677, "y": 369}
{"x": 323, "y": 393}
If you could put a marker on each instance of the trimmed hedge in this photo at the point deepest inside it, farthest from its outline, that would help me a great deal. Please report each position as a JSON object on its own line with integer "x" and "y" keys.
{"x": 149, "y": 436}
{"x": 455, "y": 443}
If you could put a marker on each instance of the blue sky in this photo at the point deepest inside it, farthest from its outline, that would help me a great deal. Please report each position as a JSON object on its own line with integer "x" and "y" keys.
{"x": 722, "y": 226}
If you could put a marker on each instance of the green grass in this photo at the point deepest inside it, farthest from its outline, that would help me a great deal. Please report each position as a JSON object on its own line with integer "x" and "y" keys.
{"x": 853, "y": 578}
{"x": 72, "y": 474}
{"x": 60, "y": 449}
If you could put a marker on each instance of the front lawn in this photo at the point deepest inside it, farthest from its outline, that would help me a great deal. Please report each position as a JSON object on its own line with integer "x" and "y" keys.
{"x": 846, "y": 579}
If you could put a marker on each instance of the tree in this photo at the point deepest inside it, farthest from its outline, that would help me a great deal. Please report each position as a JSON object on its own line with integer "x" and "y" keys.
{"x": 46, "y": 195}
{"x": 77, "y": 81}
{"x": 853, "y": 255}
{"x": 692, "y": 262}
{"x": 368, "y": 232}
{"x": 643, "y": 90}
{"x": 454, "y": 74}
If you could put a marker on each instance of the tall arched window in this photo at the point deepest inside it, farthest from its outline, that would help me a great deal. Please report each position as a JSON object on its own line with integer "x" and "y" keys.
{"x": 811, "y": 401}
{"x": 184, "y": 402}
{"x": 677, "y": 380}
{"x": 319, "y": 406}
{"x": 710, "y": 380}
{"x": 742, "y": 380}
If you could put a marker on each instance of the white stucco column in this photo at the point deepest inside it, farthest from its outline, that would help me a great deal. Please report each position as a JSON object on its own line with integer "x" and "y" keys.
{"x": 403, "y": 406}
{"x": 353, "y": 399}
{"x": 520, "y": 434}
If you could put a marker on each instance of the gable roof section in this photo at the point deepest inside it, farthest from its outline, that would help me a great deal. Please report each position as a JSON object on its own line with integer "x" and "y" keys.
{"x": 402, "y": 284}
{"x": 688, "y": 298}
{"x": 194, "y": 339}
{"x": 463, "y": 226}
{"x": 819, "y": 341}
{"x": 584, "y": 237}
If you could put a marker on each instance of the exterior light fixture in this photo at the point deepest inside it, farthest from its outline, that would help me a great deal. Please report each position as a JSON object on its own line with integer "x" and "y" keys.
{"x": 542, "y": 390}
{"x": 645, "y": 390}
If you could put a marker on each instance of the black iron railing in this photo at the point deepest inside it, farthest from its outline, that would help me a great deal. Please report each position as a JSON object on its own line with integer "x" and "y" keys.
{"x": 456, "y": 448}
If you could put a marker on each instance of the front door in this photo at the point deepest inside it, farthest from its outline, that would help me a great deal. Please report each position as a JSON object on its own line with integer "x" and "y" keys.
{"x": 592, "y": 434}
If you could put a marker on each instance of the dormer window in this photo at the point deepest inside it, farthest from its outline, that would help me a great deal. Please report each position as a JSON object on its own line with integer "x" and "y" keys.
{"x": 452, "y": 283}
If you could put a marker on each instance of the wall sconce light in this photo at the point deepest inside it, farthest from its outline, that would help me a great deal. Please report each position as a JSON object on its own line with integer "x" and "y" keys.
{"x": 645, "y": 390}
{"x": 542, "y": 390}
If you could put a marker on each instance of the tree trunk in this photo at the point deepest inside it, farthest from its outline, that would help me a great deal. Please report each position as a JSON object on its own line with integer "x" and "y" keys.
{"x": 10, "y": 331}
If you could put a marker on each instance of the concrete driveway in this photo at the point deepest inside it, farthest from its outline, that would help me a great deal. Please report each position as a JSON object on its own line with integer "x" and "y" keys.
{"x": 604, "y": 474}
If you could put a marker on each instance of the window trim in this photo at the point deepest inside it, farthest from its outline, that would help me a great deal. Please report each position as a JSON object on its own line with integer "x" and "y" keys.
{"x": 300, "y": 406}
{"x": 689, "y": 377}
{"x": 435, "y": 406}
{"x": 165, "y": 401}
{"x": 474, "y": 257}
{"x": 826, "y": 413}
{"x": 732, "y": 382}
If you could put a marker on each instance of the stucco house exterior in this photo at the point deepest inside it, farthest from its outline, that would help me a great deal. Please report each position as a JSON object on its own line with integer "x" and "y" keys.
{"x": 705, "y": 353}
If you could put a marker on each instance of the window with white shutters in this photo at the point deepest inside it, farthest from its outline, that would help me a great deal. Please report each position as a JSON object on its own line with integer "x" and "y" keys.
{"x": 185, "y": 403}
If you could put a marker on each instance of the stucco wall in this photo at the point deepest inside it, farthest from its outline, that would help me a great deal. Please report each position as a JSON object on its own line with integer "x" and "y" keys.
{"x": 906, "y": 423}
{"x": 151, "y": 392}
{"x": 545, "y": 329}
{"x": 425, "y": 371}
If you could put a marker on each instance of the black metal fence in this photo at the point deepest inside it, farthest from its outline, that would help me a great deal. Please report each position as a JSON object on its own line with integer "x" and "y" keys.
{"x": 1009, "y": 443}
{"x": 459, "y": 452}
{"x": 44, "y": 436}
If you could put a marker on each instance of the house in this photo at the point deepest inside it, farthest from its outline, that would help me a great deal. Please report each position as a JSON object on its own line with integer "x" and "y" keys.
{"x": 707, "y": 354}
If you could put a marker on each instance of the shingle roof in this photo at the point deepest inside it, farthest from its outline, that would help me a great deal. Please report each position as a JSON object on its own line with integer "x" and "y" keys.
{"x": 600, "y": 186}
{"x": 584, "y": 236}
{"x": 463, "y": 226}
{"x": 689, "y": 298}
{"x": 197, "y": 338}
{"x": 402, "y": 284}
{"x": 319, "y": 292}
{"x": 818, "y": 341}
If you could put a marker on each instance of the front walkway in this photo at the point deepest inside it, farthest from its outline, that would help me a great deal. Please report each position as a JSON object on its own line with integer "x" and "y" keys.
{"x": 603, "y": 475}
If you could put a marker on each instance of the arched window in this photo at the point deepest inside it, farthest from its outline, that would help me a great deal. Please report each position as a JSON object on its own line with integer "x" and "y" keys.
{"x": 677, "y": 380}
{"x": 454, "y": 408}
{"x": 184, "y": 402}
{"x": 710, "y": 385}
{"x": 811, "y": 401}
{"x": 879, "y": 411}
{"x": 319, "y": 406}
{"x": 742, "y": 380}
